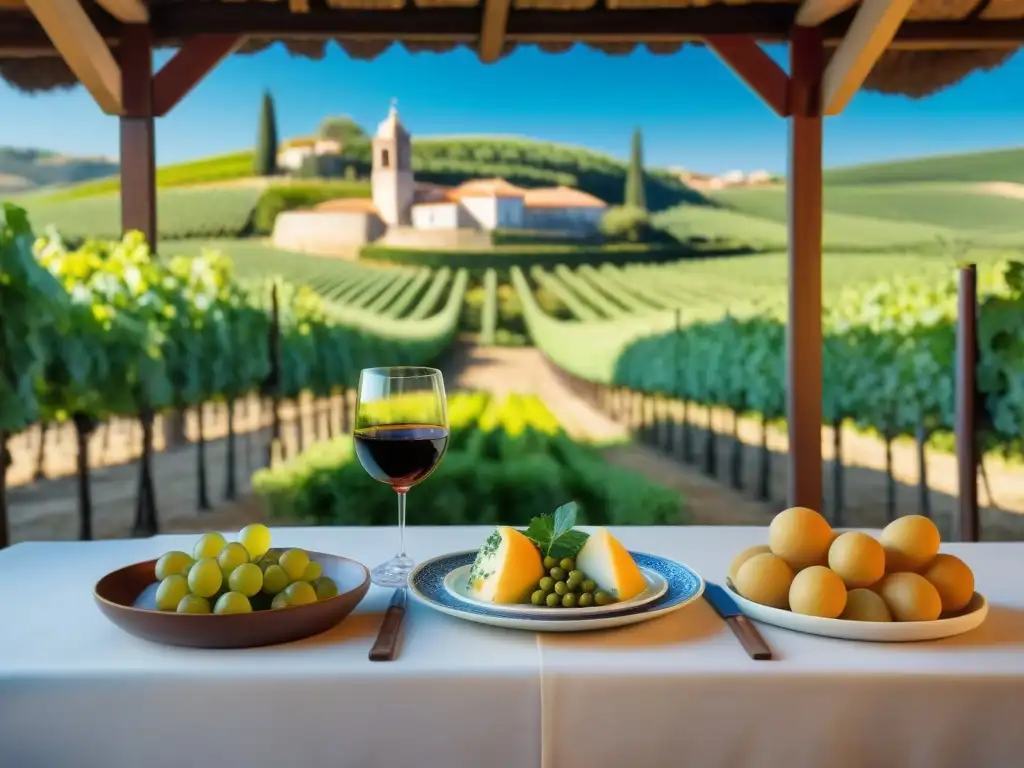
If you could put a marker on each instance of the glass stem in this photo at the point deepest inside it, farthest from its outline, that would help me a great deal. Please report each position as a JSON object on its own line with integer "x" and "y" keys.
{"x": 401, "y": 523}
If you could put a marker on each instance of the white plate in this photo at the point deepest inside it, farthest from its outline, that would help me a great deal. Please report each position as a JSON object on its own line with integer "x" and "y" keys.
{"x": 426, "y": 583}
{"x": 870, "y": 631}
{"x": 457, "y": 585}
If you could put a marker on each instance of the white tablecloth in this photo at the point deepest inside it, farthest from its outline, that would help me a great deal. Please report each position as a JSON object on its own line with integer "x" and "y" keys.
{"x": 75, "y": 691}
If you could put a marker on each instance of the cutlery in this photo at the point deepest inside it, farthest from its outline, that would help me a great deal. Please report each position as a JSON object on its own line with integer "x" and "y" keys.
{"x": 385, "y": 647}
{"x": 741, "y": 626}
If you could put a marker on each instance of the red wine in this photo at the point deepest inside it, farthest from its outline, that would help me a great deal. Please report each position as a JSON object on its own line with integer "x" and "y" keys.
{"x": 400, "y": 455}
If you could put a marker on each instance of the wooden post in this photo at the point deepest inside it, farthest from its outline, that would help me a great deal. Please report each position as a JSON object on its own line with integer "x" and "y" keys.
{"x": 966, "y": 404}
{"x": 803, "y": 332}
{"x": 138, "y": 133}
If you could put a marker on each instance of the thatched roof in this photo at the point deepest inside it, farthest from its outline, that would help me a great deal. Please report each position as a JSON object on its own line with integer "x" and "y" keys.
{"x": 918, "y": 64}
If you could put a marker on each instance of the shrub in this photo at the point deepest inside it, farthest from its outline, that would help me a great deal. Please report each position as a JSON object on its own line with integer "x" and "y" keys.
{"x": 626, "y": 223}
{"x": 278, "y": 199}
{"x": 505, "y": 464}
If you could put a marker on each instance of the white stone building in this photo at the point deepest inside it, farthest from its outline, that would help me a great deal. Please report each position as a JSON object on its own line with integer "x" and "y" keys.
{"x": 400, "y": 206}
{"x": 292, "y": 152}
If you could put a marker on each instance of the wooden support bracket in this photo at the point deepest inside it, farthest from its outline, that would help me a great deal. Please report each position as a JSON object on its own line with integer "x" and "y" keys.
{"x": 193, "y": 61}
{"x": 128, "y": 11}
{"x": 83, "y": 48}
{"x": 754, "y": 67}
{"x": 813, "y": 13}
{"x": 492, "y": 30}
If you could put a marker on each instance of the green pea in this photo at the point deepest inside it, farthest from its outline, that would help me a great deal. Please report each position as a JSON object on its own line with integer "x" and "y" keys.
{"x": 574, "y": 580}
{"x": 568, "y": 563}
{"x": 537, "y": 598}
{"x": 558, "y": 574}
{"x": 569, "y": 600}
{"x": 553, "y": 600}
{"x": 603, "y": 598}
{"x": 547, "y": 584}
{"x": 561, "y": 588}
{"x": 588, "y": 585}
{"x": 549, "y": 563}
{"x": 586, "y": 600}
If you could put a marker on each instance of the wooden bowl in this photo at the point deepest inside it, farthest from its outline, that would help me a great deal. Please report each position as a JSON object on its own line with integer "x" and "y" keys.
{"x": 126, "y": 597}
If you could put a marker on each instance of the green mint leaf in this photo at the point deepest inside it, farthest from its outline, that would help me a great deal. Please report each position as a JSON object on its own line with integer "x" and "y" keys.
{"x": 540, "y": 531}
{"x": 565, "y": 519}
{"x": 568, "y": 544}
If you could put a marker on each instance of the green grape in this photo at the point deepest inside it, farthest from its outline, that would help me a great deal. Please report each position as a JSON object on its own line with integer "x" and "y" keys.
{"x": 547, "y": 584}
{"x": 603, "y": 598}
{"x": 553, "y": 600}
{"x": 256, "y": 539}
{"x": 171, "y": 563}
{"x": 300, "y": 593}
{"x": 588, "y": 585}
{"x": 561, "y": 588}
{"x": 204, "y": 578}
{"x": 232, "y": 602}
{"x": 549, "y": 563}
{"x": 246, "y": 579}
{"x": 193, "y": 604}
{"x": 568, "y": 564}
{"x": 574, "y": 580}
{"x": 272, "y": 557}
{"x": 586, "y": 600}
{"x": 209, "y": 545}
{"x": 280, "y": 601}
{"x": 294, "y": 562}
{"x": 274, "y": 580}
{"x": 558, "y": 574}
{"x": 313, "y": 571}
{"x": 232, "y": 556}
{"x": 569, "y": 600}
{"x": 170, "y": 592}
{"x": 325, "y": 588}
{"x": 537, "y": 598}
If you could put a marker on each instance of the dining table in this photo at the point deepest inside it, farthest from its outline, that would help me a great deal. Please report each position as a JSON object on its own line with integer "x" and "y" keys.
{"x": 78, "y": 692}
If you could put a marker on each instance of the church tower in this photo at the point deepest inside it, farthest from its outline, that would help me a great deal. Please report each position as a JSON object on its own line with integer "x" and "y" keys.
{"x": 391, "y": 178}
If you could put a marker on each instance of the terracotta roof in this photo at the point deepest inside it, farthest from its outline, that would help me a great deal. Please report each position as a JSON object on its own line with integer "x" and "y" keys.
{"x": 298, "y": 141}
{"x": 348, "y": 205}
{"x": 425, "y": 192}
{"x": 433, "y": 203}
{"x": 561, "y": 197}
{"x": 486, "y": 188}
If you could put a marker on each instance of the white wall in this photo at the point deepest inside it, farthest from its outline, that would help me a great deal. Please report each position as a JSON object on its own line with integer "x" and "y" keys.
{"x": 291, "y": 157}
{"x": 436, "y": 216}
{"x": 484, "y": 211}
{"x": 324, "y": 231}
{"x": 572, "y": 219}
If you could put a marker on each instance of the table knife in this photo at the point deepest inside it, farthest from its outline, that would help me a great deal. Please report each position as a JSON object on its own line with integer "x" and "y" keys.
{"x": 741, "y": 626}
{"x": 385, "y": 647}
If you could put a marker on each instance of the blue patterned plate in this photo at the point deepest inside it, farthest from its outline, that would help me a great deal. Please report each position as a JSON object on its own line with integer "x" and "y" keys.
{"x": 427, "y": 584}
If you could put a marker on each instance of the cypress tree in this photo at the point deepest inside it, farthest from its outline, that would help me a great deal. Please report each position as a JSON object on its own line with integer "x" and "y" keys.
{"x": 265, "y": 161}
{"x": 635, "y": 195}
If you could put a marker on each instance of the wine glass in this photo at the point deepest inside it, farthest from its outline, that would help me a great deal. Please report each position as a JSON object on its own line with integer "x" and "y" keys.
{"x": 401, "y": 433}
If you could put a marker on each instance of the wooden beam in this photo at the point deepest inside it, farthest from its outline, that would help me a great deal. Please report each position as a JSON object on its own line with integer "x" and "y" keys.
{"x": 82, "y": 48}
{"x": 755, "y": 68}
{"x": 130, "y": 11}
{"x": 193, "y": 61}
{"x": 803, "y": 329}
{"x": 873, "y": 28}
{"x": 967, "y": 458}
{"x": 814, "y": 13}
{"x": 492, "y": 30}
{"x": 138, "y": 133}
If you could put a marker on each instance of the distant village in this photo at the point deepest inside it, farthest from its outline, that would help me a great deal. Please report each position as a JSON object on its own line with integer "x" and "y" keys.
{"x": 703, "y": 181}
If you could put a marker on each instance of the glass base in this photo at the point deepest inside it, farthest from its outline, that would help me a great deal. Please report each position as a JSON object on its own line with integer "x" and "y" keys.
{"x": 393, "y": 574}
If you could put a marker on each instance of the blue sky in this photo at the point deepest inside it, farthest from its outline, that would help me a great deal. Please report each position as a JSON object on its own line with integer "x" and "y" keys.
{"x": 693, "y": 112}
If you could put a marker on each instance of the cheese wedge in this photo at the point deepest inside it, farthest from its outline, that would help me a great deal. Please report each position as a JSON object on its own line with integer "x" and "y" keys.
{"x": 507, "y": 568}
{"x": 610, "y": 565}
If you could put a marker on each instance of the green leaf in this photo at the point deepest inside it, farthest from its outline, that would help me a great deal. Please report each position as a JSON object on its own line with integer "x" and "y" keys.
{"x": 554, "y": 534}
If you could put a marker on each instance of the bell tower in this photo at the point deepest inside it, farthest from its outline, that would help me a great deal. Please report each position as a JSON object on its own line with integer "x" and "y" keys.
{"x": 391, "y": 177}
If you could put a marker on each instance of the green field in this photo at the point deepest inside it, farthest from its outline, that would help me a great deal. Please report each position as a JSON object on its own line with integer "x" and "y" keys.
{"x": 996, "y": 165}
{"x": 886, "y": 209}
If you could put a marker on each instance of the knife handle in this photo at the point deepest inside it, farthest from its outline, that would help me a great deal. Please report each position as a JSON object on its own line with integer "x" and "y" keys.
{"x": 749, "y": 638}
{"x": 385, "y": 647}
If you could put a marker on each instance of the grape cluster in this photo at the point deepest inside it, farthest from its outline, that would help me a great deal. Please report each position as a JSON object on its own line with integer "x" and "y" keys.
{"x": 567, "y": 587}
{"x": 240, "y": 576}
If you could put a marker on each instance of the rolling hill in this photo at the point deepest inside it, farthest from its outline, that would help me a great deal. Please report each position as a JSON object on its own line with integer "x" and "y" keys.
{"x": 521, "y": 161}
{"x": 994, "y": 165}
{"x": 23, "y": 170}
